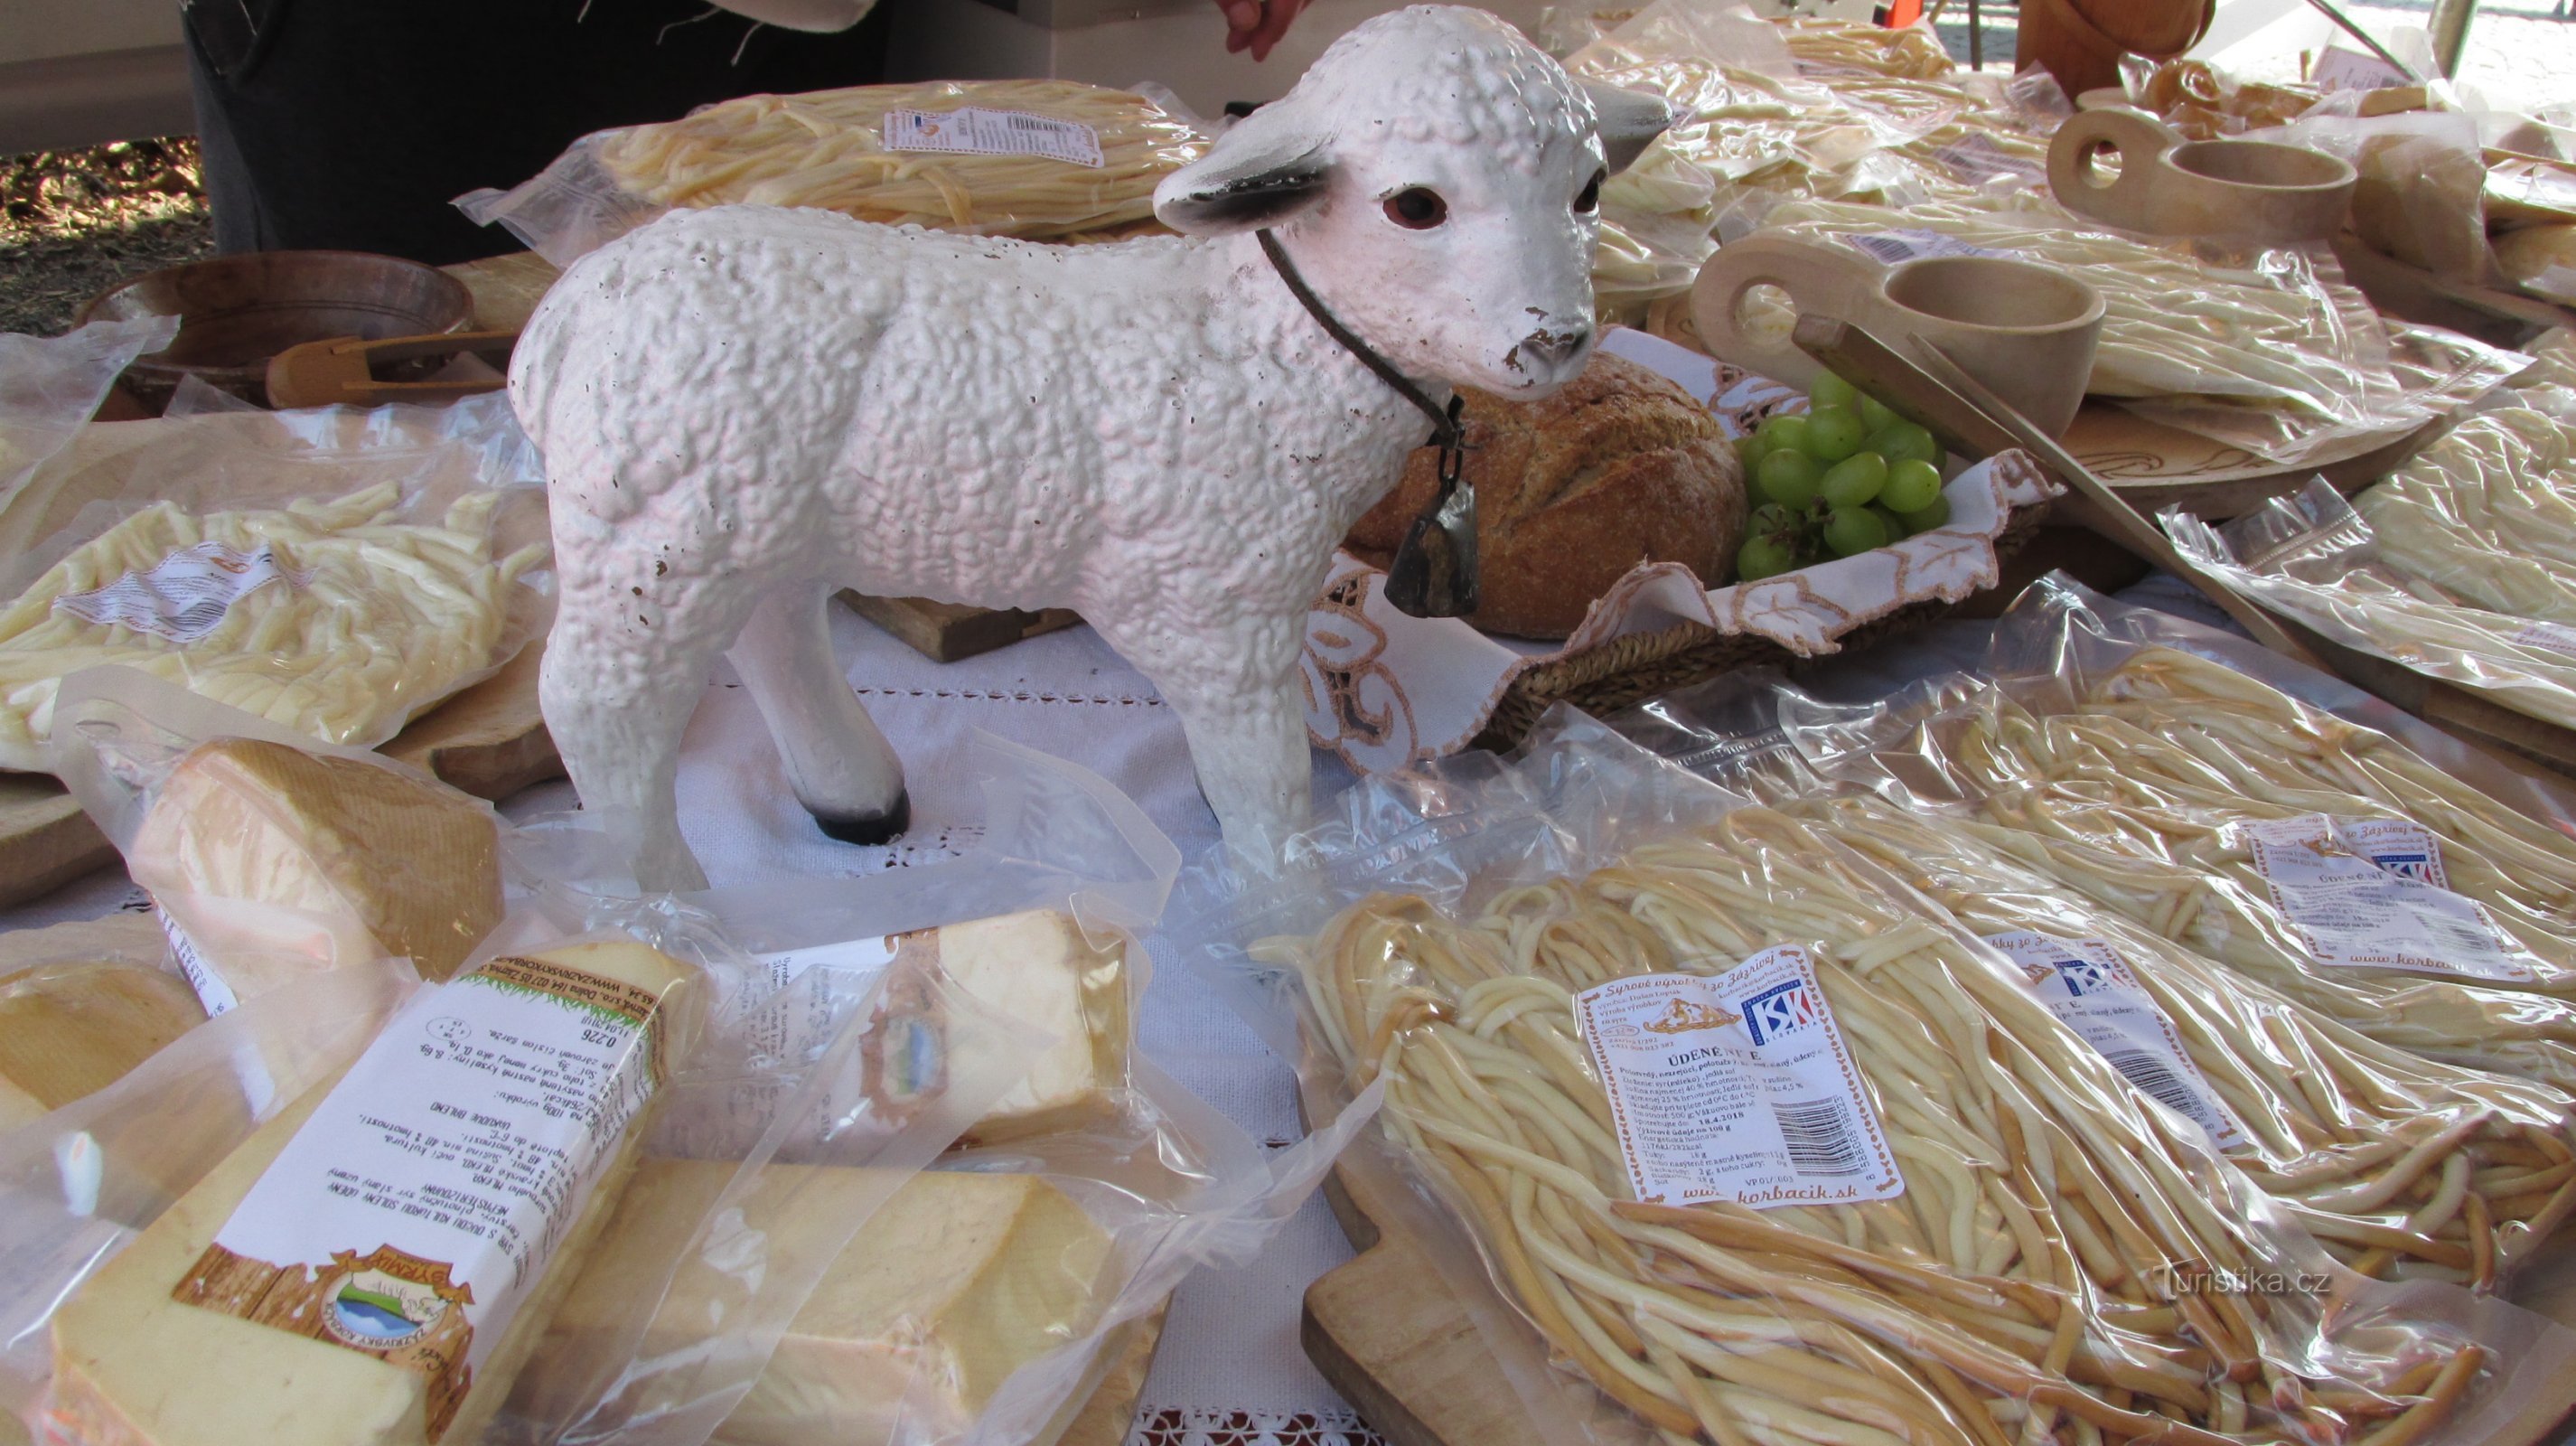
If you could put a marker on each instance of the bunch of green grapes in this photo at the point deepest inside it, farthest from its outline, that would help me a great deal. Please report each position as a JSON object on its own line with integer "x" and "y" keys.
{"x": 1841, "y": 478}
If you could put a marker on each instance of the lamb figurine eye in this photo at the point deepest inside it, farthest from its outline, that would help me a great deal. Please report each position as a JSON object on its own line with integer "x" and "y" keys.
{"x": 1417, "y": 208}
{"x": 1589, "y": 198}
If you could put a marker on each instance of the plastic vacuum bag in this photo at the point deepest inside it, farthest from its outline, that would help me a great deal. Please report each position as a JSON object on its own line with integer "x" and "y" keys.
{"x": 1037, "y": 159}
{"x": 2312, "y": 557}
{"x": 1137, "y": 1183}
{"x": 50, "y": 387}
{"x": 2323, "y": 1119}
{"x": 2420, "y": 903}
{"x": 334, "y": 572}
{"x": 1761, "y": 1147}
{"x": 2487, "y": 511}
{"x": 272, "y": 858}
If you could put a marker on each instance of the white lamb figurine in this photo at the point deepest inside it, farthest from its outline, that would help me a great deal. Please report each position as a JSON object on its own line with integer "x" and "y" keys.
{"x": 742, "y": 409}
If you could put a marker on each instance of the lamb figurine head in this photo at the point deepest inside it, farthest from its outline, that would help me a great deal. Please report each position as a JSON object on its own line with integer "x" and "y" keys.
{"x": 1440, "y": 178}
{"x": 745, "y": 408}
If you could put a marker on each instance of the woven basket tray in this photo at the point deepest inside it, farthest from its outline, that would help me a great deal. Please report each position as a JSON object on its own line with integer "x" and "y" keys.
{"x": 1640, "y": 666}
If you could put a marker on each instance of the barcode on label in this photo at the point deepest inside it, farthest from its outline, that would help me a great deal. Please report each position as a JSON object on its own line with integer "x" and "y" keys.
{"x": 1819, "y": 1136}
{"x": 2153, "y": 1076}
{"x": 975, "y": 131}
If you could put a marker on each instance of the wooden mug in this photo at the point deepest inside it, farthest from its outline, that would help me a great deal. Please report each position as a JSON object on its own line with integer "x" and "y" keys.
{"x": 2026, "y": 330}
{"x": 2249, "y": 191}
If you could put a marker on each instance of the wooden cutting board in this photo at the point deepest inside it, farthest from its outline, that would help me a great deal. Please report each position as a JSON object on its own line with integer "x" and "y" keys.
{"x": 489, "y": 741}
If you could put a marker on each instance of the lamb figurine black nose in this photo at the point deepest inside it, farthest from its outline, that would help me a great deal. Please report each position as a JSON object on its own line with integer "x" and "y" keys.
{"x": 742, "y": 409}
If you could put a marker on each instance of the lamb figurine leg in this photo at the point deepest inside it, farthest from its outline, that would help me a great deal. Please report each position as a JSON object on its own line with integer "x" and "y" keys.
{"x": 744, "y": 408}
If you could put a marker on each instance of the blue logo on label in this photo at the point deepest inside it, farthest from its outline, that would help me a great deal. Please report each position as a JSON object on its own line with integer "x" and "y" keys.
{"x": 2082, "y": 976}
{"x": 1779, "y": 1010}
{"x": 2416, "y": 866}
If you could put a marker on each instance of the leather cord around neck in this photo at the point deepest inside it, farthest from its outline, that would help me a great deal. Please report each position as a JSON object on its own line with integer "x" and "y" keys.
{"x": 1445, "y": 431}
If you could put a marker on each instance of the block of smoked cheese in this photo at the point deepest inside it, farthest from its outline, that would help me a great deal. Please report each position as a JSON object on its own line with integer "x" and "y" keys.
{"x": 1034, "y": 969}
{"x": 72, "y": 1028}
{"x": 275, "y": 863}
{"x": 371, "y": 1267}
{"x": 957, "y": 1280}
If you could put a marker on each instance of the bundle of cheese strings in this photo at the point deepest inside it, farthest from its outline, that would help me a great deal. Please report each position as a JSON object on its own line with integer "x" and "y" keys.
{"x": 2404, "y": 1167}
{"x": 335, "y": 575}
{"x": 2487, "y": 511}
{"x": 1035, "y": 159}
{"x": 2343, "y": 901}
{"x": 2026, "y": 1241}
{"x": 2313, "y": 556}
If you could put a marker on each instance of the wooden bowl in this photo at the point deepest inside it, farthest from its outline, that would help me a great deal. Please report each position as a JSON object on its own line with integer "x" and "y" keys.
{"x": 236, "y": 312}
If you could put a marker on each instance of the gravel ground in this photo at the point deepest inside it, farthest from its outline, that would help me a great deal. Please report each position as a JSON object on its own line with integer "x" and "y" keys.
{"x": 74, "y": 223}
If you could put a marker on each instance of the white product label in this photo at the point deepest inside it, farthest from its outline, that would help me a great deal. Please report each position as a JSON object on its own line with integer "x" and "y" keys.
{"x": 975, "y": 131}
{"x": 2550, "y": 636}
{"x": 2086, "y": 984}
{"x": 212, "y": 991}
{"x": 795, "y": 1025}
{"x": 2341, "y": 69}
{"x": 183, "y": 597}
{"x": 1736, "y": 1087}
{"x": 1896, "y": 246}
{"x": 1978, "y": 156}
{"x": 412, "y": 1214}
{"x": 2370, "y": 893}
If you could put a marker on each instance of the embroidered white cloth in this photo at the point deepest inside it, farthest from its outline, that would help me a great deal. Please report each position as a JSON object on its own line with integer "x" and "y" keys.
{"x": 1384, "y": 690}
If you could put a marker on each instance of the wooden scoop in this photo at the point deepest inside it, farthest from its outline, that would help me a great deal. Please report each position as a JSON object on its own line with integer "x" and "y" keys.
{"x": 342, "y": 371}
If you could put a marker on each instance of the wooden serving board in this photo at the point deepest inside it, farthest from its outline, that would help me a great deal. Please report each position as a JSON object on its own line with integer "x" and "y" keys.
{"x": 946, "y": 632}
{"x": 489, "y": 741}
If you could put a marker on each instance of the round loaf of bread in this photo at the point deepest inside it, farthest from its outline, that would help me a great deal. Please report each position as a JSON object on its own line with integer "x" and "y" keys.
{"x": 1618, "y": 468}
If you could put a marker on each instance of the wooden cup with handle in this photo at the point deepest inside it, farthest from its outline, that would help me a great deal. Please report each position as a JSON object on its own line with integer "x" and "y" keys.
{"x": 2027, "y": 330}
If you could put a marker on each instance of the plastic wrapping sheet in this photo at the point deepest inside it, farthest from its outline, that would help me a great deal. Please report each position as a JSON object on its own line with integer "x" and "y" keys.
{"x": 859, "y": 151}
{"x": 2313, "y": 557}
{"x": 50, "y": 386}
{"x": 334, "y": 572}
{"x": 1441, "y": 935}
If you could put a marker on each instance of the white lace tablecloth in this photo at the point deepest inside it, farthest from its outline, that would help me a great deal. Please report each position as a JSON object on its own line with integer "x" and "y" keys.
{"x": 1230, "y": 1372}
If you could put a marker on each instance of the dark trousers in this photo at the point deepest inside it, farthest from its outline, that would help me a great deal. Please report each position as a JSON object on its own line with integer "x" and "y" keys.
{"x": 351, "y": 124}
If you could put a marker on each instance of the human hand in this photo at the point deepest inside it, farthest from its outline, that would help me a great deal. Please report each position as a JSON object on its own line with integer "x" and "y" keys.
{"x": 1256, "y": 25}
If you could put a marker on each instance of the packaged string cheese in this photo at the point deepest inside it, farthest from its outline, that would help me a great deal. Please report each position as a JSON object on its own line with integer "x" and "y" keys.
{"x": 1036, "y": 159}
{"x": 2334, "y": 864}
{"x": 2315, "y": 558}
{"x": 2403, "y": 1167}
{"x": 1766, "y": 1148}
{"x": 337, "y": 580}
{"x": 984, "y": 1297}
{"x": 272, "y": 858}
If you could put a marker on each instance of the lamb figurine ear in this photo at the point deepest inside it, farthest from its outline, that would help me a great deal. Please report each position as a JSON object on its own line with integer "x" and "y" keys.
{"x": 1266, "y": 168}
{"x": 1628, "y": 121}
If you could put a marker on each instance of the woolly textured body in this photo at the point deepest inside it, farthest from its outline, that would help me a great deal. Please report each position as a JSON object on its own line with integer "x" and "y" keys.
{"x": 929, "y": 419}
